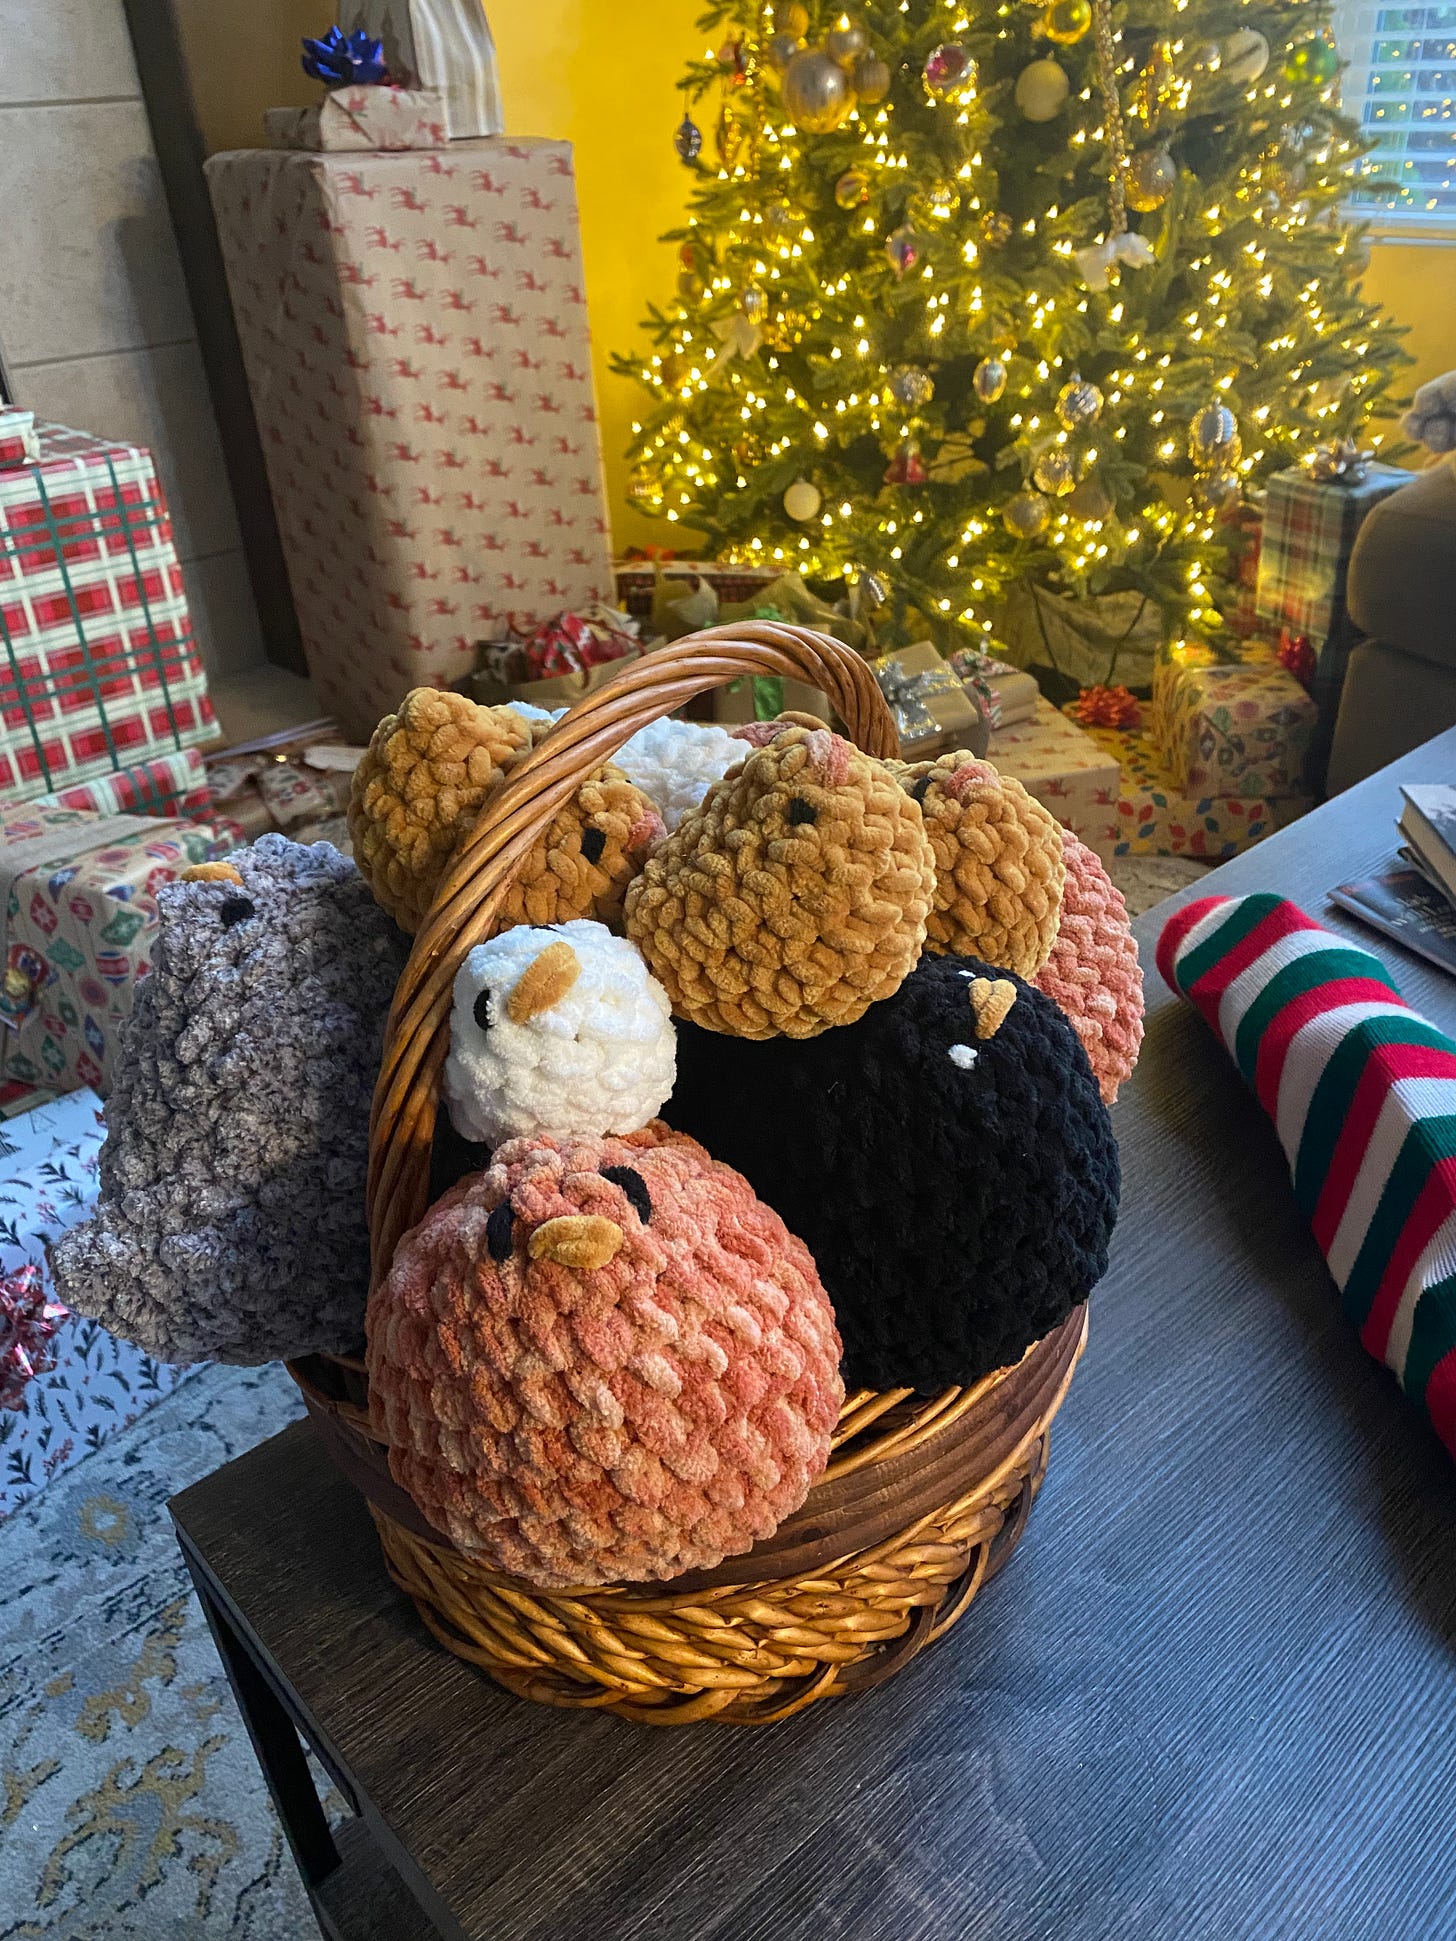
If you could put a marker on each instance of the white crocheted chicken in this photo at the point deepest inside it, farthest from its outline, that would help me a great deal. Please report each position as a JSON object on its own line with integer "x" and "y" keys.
{"x": 675, "y": 763}
{"x": 562, "y": 1031}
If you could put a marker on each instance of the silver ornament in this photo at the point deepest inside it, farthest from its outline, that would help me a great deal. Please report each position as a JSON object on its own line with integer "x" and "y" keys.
{"x": 782, "y": 49}
{"x": 1078, "y": 402}
{"x": 817, "y": 94}
{"x": 845, "y": 45}
{"x": 988, "y": 380}
{"x": 1213, "y": 439}
{"x": 872, "y": 79}
{"x": 911, "y": 386}
{"x": 1054, "y": 472}
{"x": 1026, "y": 516}
{"x": 688, "y": 141}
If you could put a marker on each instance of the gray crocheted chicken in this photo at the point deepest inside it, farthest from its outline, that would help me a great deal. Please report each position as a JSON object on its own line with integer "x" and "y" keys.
{"x": 230, "y": 1224}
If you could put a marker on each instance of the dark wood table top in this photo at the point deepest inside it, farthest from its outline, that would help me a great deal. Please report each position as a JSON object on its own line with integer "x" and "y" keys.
{"x": 1210, "y": 1697}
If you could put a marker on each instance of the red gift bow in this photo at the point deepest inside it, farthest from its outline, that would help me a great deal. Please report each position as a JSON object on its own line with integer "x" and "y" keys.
{"x": 1109, "y": 707}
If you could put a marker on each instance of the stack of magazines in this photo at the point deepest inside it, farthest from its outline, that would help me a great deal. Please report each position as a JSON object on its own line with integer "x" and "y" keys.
{"x": 1414, "y": 900}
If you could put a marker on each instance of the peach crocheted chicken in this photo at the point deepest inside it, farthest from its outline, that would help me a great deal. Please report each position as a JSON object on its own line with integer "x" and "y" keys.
{"x": 430, "y": 770}
{"x": 793, "y": 897}
{"x": 1093, "y": 972}
{"x": 998, "y": 862}
{"x": 604, "y": 1360}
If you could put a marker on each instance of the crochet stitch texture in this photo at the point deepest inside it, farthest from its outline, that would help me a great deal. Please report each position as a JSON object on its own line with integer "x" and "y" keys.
{"x": 230, "y": 1223}
{"x": 998, "y": 862}
{"x": 793, "y": 898}
{"x": 957, "y": 1192}
{"x": 589, "y": 1424}
{"x": 675, "y": 763}
{"x": 1093, "y": 972}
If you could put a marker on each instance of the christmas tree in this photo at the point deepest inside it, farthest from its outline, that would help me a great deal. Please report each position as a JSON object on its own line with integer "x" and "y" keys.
{"x": 1026, "y": 294}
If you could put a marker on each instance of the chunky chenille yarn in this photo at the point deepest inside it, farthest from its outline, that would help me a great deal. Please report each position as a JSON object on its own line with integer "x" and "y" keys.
{"x": 947, "y": 1159}
{"x": 1093, "y": 972}
{"x": 675, "y": 763}
{"x": 230, "y": 1224}
{"x": 583, "y": 864}
{"x": 793, "y": 898}
{"x": 604, "y": 1360}
{"x": 998, "y": 862}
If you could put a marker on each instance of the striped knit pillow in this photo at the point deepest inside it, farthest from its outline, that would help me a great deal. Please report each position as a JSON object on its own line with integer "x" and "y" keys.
{"x": 1362, "y": 1092}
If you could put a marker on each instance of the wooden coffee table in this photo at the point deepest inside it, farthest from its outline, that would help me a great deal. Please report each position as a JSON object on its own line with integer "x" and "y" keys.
{"x": 1211, "y": 1697}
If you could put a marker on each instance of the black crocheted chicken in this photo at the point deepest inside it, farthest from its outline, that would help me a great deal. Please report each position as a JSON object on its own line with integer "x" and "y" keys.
{"x": 947, "y": 1158}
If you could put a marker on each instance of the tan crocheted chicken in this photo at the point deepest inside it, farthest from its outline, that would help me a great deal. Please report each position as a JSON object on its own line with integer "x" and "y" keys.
{"x": 429, "y": 772}
{"x": 793, "y": 897}
{"x": 999, "y": 869}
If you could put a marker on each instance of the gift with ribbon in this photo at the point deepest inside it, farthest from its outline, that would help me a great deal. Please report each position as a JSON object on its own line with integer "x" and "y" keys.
{"x": 933, "y": 708}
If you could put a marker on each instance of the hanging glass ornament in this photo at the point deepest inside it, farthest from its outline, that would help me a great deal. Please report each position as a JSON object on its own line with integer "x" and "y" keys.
{"x": 749, "y": 450}
{"x": 1154, "y": 87}
{"x": 1067, "y": 21}
{"x": 1245, "y": 56}
{"x": 872, "y": 79}
{"x": 1152, "y": 176}
{"x": 949, "y": 70}
{"x": 1213, "y": 438}
{"x": 1091, "y": 502}
{"x": 791, "y": 18}
{"x": 781, "y": 50}
{"x": 846, "y": 44}
{"x": 902, "y": 248}
{"x": 688, "y": 141}
{"x": 852, "y": 190}
{"x": 1078, "y": 403}
{"x": 988, "y": 380}
{"x": 935, "y": 204}
{"x": 911, "y": 385}
{"x": 817, "y": 94}
{"x": 907, "y": 467}
{"x": 802, "y": 501}
{"x": 1316, "y": 60}
{"x": 1216, "y": 491}
{"x": 1054, "y": 472}
{"x": 1207, "y": 57}
{"x": 995, "y": 228}
{"x": 1042, "y": 90}
{"x": 1026, "y": 516}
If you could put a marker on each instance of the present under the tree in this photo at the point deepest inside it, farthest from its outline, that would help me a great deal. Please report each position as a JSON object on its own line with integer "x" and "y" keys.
{"x": 1304, "y": 551}
{"x": 414, "y": 329}
{"x": 167, "y": 785}
{"x": 1092, "y": 640}
{"x": 1010, "y": 694}
{"x": 645, "y": 586}
{"x": 934, "y": 710}
{"x": 1241, "y": 729}
{"x": 78, "y": 913}
{"x": 1067, "y": 771}
{"x": 1153, "y": 818}
{"x": 1243, "y": 535}
{"x": 100, "y": 670}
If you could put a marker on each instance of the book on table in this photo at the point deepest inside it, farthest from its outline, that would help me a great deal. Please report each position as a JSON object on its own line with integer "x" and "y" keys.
{"x": 1403, "y": 904}
{"x": 1428, "y": 823}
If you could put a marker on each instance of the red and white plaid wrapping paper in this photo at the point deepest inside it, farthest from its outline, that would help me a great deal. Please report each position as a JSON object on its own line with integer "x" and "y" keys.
{"x": 1304, "y": 554}
{"x": 167, "y": 785}
{"x": 18, "y": 442}
{"x": 98, "y": 666}
{"x": 415, "y": 333}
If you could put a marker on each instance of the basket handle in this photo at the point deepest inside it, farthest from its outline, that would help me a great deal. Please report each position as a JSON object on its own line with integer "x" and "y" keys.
{"x": 402, "y": 1126}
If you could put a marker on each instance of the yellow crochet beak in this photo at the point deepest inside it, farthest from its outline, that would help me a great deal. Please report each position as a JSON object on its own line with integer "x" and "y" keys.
{"x": 581, "y": 1240}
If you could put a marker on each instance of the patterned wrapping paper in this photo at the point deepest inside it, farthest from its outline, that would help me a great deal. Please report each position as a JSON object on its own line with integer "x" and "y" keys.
{"x": 99, "y": 1385}
{"x": 415, "y": 333}
{"x": 168, "y": 785}
{"x": 19, "y": 444}
{"x": 361, "y": 118}
{"x": 78, "y": 936}
{"x": 1152, "y": 818}
{"x": 1067, "y": 771}
{"x": 1304, "y": 553}
{"x": 100, "y": 669}
{"x": 1244, "y": 536}
{"x": 1240, "y": 730}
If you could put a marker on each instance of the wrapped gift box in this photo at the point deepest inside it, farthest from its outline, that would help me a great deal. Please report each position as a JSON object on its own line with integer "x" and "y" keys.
{"x": 78, "y": 911}
{"x": 100, "y": 668}
{"x": 1243, "y": 729}
{"x": 167, "y": 785}
{"x": 414, "y": 328}
{"x": 641, "y": 583}
{"x": 934, "y": 710}
{"x": 1068, "y": 773}
{"x": 1243, "y": 534}
{"x": 19, "y": 444}
{"x": 1010, "y": 693}
{"x": 1152, "y": 818}
{"x": 95, "y": 1384}
{"x": 349, "y": 120}
{"x": 1304, "y": 550}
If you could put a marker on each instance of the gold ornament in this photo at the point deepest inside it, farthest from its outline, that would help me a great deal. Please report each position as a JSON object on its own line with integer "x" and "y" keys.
{"x": 1215, "y": 491}
{"x": 1026, "y": 516}
{"x": 1154, "y": 87}
{"x": 872, "y": 79}
{"x": 750, "y": 450}
{"x": 988, "y": 380}
{"x": 817, "y": 94}
{"x": 1152, "y": 176}
{"x": 802, "y": 501}
{"x": 1067, "y": 21}
{"x": 782, "y": 49}
{"x": 1078, "y": 402}
{"x": 791, "y": 18}
{"x": 1042, "y": 90}
{"x": 912, "y": 386}
{"x": 1091, "y": 502}
{"x": 996, "y": 228}
{"x": 852, "y": 190}
{"x": 1054, "y": 472}
{"x": 1214, "y": 443}
{"x": 846, "y": 44}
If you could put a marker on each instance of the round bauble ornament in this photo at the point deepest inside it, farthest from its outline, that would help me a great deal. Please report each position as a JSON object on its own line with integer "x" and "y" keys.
{"x": 1316, "y": 60}
{"x": 1054, "y": 472}
{"x": 802, "y": 501}
{"x": 934, "y": 205}
{"x": 911, "y": 386}
{"x": 988, "y": 380}
{"x": 1042, "y": 90}
{"x": 852, "y": 190}
{"x": 949, "y": 70}
{"x": 1213, "y": 439}
{"x": 1216, "y": 491}
{"x": 1026, "y": 516}
{"x": 1207, "y": 57}
{"x": 781, "y": 50}
{"x": 1078, "y": 403}
{"x": 748, "y": 451}
{"x": 1067, "y": 21}
{"x": 1091, "y": 501}
{"x": 688, "y": 141}
{"x": 995, "y": 228}
{"x": 778, "y": 221}
{"x": 872, "y": 79}
{"x": 791, "y": 18}
{"x": 1245, "y": 56}
{"x": 846, "y": 44}
{"x": 902, "y": 249}
{"x": 817, "y": 93}
{"x": 1152, "y": 176}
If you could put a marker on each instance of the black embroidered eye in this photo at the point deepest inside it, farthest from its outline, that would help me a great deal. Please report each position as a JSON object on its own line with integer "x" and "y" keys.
{"x": 921, "y": 789}
{"x": 482, "y": 1010}
{"x": 593, "y": 842}
{"x": 500, "y": 1232}
{"x": 801, "y": 811}
{"x": 634, "y": 1186}
{"x": 236, "y": 909}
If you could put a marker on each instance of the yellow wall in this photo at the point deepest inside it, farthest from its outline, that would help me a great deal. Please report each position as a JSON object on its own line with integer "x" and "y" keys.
{"x": 1416, "y": 282}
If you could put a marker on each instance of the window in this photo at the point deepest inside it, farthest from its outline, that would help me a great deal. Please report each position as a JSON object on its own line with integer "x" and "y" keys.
{"x": 1401, "y": 87}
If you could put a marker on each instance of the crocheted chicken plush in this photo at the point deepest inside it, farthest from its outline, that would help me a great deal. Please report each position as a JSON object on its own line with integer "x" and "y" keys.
{"x": 428, "y": 773}
{"x": 230, "y": 1224}
{"x": 675, "y": 763}
{"x": 998, "y": 862}
{"x": 561, "y": 1031}
{"x": 604, "y": 1360}
{"x": 793, "y": 898}
{"x": 948, "y": 1160}
{"x": 1093, "y": 972}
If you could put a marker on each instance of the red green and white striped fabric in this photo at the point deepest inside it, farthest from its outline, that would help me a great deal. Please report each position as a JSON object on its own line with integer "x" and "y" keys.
{"x": 1362, "y": 1091}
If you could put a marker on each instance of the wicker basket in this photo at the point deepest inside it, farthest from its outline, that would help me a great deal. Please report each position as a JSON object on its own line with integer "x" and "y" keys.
{"x": 924, "y": 1497}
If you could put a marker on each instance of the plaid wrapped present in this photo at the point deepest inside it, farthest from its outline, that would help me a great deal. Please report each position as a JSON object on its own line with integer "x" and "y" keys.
{"x": 78, "y": 910}
{"x": 1304, "y": 552}
{"x": 18, "y": 442}
{"x": 1243, "y": 729}
{"x": 1152, "y": 818}
{"x": 167, "y": 785}
{"x": 1245, "y": 536}
{"x": 100, "y": 669}
{"x": 1068, "y": 773}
